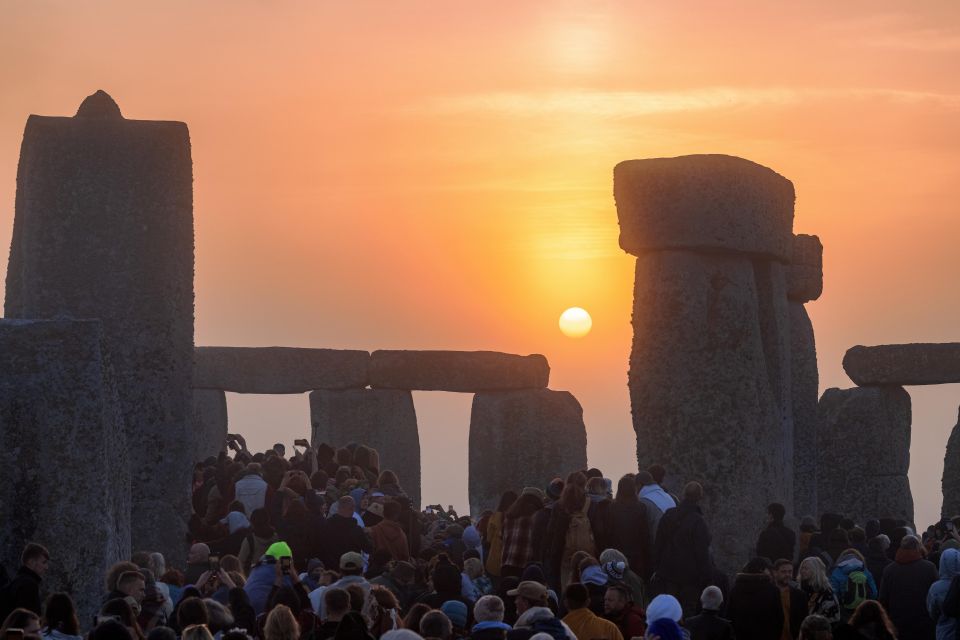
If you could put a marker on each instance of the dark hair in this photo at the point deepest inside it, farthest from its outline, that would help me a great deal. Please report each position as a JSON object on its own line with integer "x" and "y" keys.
{"x": 871, "y": 611}
{"x": 857, "y": 535}
{"x": 236, "y": 505}
{"x": 190, "y": 611}
{"x": 19, "y": 618}
{"x": 757, "y": 565}
{"x": 391, "y": 510}
{"x": 781, "y": 562}
{"x": 319, "y": 480}
{"x": 344, "y": 458}
{"x": 777, "y": 511}
{"x": 244, "y": 616}
{"x": 60, "y": 614}
{"x": 162, "y": 633}
{"x": 287, "y": 596}
{"x": 336, "y": 600}
{"x": 658, "y": 472}
{"x": 116, "y": 570}
{"x": 642, "y": 479}
{"x": 693, "y": 491}
{"x": 32, "y": 551}
{"x": 260, "y": 523}
{"x": 576, "y": 595}
{"x": 436, "y": 624}
{"x": 506, "y": 501}
{"x": 572, "y": 498}
{"x": 121, "y": 608}
{"x": 526, "y": 505}
{"x": 627, "y": 490}
{"x": 109, "y": 630}
{"x": 816, "y": 627}
{"x": 412, "y": 619}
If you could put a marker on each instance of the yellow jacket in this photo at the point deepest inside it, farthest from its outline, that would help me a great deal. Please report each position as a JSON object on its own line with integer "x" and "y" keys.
{"x": 587, "y": 625}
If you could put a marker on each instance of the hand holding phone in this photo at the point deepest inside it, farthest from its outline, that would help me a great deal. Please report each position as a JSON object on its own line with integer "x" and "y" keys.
{"x": 214, "y": 564}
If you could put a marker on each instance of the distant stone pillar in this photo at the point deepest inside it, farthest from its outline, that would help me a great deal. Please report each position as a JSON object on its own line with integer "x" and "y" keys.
{"x": 710, "y": 371}
{"x": 863, "y": 440}
{"x": 384, "y": 419}
{"x": 520, "y": 439}
{"x": 951, "y": 475}
{"x": 66, "y": 482}
{"x": 805, "y": 283}
{"x": 104, "y": 229}
{"x": 208, "y": 429}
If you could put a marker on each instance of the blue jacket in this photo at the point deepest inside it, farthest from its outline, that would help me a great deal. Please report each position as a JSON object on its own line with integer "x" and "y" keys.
{"x": 949, "y": 567}
{"x": 260, "y": 582}
{"x": 846, "y": 566}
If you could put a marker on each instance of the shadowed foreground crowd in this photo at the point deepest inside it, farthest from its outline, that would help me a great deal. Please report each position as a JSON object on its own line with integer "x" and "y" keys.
{"x": 326, "y": 545}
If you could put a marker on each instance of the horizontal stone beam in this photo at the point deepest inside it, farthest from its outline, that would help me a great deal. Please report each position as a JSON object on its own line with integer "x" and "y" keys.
{"x": 704, "y": 203}
{"x": 463, "y": 371}
{"x": 904, "y": 364}
{"x": 278, "y": 369}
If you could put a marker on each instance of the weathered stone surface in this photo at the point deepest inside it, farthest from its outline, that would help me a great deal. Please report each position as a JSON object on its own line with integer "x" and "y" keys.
{"x": 951, "y": 475}
{"x": 384, "y": 419}
{"x": 522, "y": 439}
{"x": 66, "y": 483}
{"x": 863, "y": 440}
{"x": 278, "y": 369}
{"x": 805, "y": 273}
{"x": 805, "y": 381}
{"x": 903, "y": 364}
{"x": 706, "y": 385}
{"x": 208, "y": 428}
{"x": 465, "y": 371}
{"x": 709, "y": 202}
{"x": 103, "y": 229}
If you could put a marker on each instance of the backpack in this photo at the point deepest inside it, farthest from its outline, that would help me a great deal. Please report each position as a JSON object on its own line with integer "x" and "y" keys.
{"x": 857, "y": 589}
{"x": 580, "y": 533}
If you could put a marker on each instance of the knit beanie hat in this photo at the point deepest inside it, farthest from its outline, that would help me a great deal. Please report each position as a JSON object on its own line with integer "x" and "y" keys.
{"x": 615, "y": 570}
{"x": 457, "y": 612}
{"x": 664, "y": 606}
{"x": 665, "y": 629}
{"x": 279, "y": 550}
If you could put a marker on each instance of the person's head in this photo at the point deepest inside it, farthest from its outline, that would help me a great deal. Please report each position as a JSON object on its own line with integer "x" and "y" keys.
{"x": 436, "y": 624}
{"x": 657, "y": 472}
{"x": 35, "y": 557}
{"x": 456, "y": 612}
{"x": 693, "y": 492}
{"x": 388, "y": 477}
{"x": 190, "y": 611}
{"x": 528, "y": 594}
{"x": 783, "y": 572}
{"x": 281, "y": 624}
{"x": 626, "y": 489}
{"x": 506, "y": 501}
{"x": 596, "y": 486}
{"x": 403, "y": 573}
{"x": 110, "y": 630}
{"x": 776, "y": 512}
{"x": 60, "y": 614}
{"x": 121, "y": 609}
{"x": 488, "y": 609}
{"x": 164, "y": 633}
{"x": 813, "y": 574}
{"x": 816, "y": 627}
{"x": 131, "y": 583}
{"x": 616, "y": 599}
{"x": 415, "y": 615}
{"x": 758, "y": 566}
{"x": 336, "y": 603}
{"x": 643, "y": 479}
{"x": 22, "y": 619}
{"x": 116, "y": 570}
{"x": 572, "y": 498}
{"x": 711, "y": 599}
{"x": 576, "y": 596}
{"x": 157, "y": 564}
{"x": 351, "y": 563}
{"x": 196, "y": 632}
{"x": 346, "y": 506}
{"x": 220, "y": 617}
{"x": 391, "y": 510}
{"x": 279, "y": 449}
{"x": 911, "y": 543}
{"x": 198, "y": 554}
{"x": 871, "y": 612}
{"x": 525, "y": 505}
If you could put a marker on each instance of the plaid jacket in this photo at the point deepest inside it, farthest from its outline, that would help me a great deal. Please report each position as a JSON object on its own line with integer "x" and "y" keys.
{"x": 518, "y": 541}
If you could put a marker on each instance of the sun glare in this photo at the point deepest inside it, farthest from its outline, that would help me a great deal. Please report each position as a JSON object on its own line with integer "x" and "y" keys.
{"x": 575, "y": 322}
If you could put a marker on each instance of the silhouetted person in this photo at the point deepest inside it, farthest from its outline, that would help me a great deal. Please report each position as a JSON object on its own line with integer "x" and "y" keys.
{"x": 682, "y": 550}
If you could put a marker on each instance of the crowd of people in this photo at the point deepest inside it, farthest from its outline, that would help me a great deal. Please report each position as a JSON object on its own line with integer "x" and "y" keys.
{"x": 324, "y": 544}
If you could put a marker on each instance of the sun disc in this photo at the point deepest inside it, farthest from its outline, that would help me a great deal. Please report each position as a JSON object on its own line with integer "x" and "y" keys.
{"x": 575, "y": 322}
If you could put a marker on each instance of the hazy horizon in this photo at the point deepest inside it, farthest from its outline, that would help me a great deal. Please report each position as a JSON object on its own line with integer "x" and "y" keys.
{"x": 421, "y": 176}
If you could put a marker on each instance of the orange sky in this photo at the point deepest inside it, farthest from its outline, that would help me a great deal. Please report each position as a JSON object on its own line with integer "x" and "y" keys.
{"x": 439, "y": 175}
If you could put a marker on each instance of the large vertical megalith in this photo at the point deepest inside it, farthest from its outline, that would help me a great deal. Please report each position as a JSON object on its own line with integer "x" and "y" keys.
{"x": 208, "y": 428}
{"x": 103, "y": 229}
{"x": 710, "y": 368}
{"x": 384, "y": 419}
{"x": 951, "y": 475}
{"x": 520, "y": 439}
{"x": 863, "y": 440}
{"x": 804, "y": 284}
{"x": 66, "y": 481}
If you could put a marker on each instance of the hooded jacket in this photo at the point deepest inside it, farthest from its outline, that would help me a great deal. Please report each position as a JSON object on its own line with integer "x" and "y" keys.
{"x": 903, "y": 593}
{"x": 840, "y": 573}
{"x": 681, "y": 553}
{"x": 389, "y": 535}
{"x": 949, "y": 567}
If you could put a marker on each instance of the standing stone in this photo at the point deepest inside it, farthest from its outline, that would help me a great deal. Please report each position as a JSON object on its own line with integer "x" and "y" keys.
{"x": 384, "y": 419}
{"x": 863, "y": 439}
{"x": 951, "y": 475}
{"x": 66, "y": 483}
{"x": 522, "y": 439}
{"x": 208, "y": 428}
{"x": 806, "y": 382}
{"x": 463, "y": 371}
{"x": 710, "y": 370}
{"x": 103, "y": 229}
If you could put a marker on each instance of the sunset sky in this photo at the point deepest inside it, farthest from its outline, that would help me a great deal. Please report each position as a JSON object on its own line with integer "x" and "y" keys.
{"x": 438, "y": 175}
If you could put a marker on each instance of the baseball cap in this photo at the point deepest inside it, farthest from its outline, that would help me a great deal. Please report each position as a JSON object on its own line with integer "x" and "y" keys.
{"x": 279, "y": 550}
{"x": 530, "y": 590}
{"x": 351, "y": 560}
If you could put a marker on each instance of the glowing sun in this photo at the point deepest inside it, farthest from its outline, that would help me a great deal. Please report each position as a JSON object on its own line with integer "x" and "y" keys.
{"x": 575, "y": 322}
